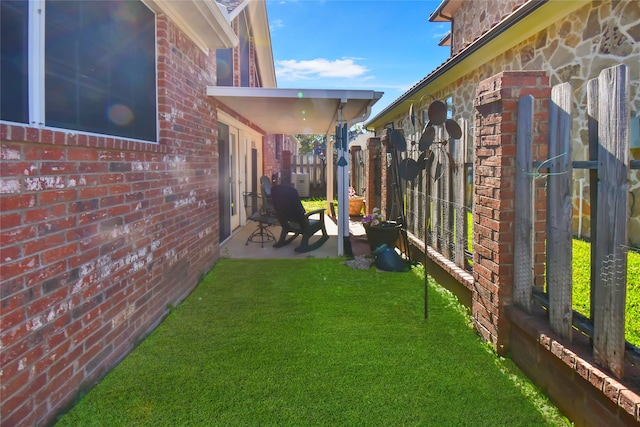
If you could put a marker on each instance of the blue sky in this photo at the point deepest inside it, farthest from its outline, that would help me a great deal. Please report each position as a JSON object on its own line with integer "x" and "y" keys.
{"x": 382, "y": 45}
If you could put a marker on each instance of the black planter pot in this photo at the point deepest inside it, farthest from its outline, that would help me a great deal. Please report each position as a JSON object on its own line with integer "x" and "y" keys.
{"x": 386, "y": 233}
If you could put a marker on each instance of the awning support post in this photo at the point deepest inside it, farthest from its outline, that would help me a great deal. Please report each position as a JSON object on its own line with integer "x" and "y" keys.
{"x": 344, "y": 242}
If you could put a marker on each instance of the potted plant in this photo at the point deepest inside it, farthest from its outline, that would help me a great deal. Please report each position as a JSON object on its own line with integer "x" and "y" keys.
{"x": 355, "y": 202}
{"x": 380, "y": 231}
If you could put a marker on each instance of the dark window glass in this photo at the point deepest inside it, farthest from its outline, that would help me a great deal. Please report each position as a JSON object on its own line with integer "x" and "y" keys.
{"x": 14, "y": 81}
{"x": 100, "y": 68}
{"x": 224, "y": 67}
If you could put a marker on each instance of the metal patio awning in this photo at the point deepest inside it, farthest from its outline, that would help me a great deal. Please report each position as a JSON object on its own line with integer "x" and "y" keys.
{"x": 305, "y": 111}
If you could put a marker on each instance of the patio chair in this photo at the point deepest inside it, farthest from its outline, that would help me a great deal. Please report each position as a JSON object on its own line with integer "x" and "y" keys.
{"x": 256, "y": 213}
{"x": 294, "y": 219}
{"x": 267, "y": 202}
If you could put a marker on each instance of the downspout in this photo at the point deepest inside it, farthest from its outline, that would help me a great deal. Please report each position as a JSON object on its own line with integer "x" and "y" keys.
{"x": 450, "y": 19}
{"x": 343, "y": 183}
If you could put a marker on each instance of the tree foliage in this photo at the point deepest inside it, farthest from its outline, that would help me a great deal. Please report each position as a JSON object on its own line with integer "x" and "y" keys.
{"x": 308, "y": 143}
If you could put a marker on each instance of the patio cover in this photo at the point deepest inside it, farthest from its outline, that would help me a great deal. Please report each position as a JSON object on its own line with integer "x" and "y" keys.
{"x": 306, "y": 111}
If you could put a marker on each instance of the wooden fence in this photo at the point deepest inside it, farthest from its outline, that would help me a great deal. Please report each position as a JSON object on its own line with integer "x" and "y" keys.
{"x": 448, "y": 203}
{"x": 609, "y": 165}
{"x": 358, "y": 171}
{"x": 312, "y": 164}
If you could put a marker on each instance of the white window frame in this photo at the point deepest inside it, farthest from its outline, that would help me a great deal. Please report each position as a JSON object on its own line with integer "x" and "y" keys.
{"x": 36, "y": 75}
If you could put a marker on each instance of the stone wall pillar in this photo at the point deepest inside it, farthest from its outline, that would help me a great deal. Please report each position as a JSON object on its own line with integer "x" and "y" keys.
{"x": 494, "y": 194}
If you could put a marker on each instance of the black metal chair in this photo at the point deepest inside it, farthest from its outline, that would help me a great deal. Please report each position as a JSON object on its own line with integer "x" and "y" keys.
{"x": 267, "y": 202}
{"x": 256, "y": 213}
{"x": 294, "y": 219}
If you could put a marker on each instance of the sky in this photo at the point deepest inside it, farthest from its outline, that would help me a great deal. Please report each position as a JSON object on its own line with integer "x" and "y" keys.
{"x": 382, "y": 45}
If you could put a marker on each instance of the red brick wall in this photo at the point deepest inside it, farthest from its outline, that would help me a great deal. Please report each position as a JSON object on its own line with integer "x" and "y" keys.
{"x": 386, "y": 184}
{"x": 270, "y": 164}
{"x": 494, "y": 195}
{"x": 100, "y": 234}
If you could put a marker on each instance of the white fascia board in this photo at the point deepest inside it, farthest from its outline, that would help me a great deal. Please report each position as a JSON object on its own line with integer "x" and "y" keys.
{"x": 342, "y": 95}
{"x": 262, "y": 41}
{"x": 201, "y": 20}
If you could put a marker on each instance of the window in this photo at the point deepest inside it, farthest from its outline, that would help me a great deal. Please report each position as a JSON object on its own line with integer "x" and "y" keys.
{"x": 14, "y": 97}
{"x": 244, "y": 52}
{"x": 225, "y": 59}
{"x": 98, "y": 69}
{"x": 224, "y": 67}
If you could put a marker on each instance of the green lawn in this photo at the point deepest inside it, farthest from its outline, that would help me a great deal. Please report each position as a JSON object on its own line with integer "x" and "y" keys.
{"x": 312, "y": 342}
{"x": 581, "y": 284}
{"x": 581, "y": 288}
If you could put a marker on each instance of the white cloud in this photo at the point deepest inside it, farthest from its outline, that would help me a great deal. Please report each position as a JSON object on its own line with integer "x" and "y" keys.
{"x": 440, "y": 31}
{"x": 292, "y": 69}
{"x": 275, "y": 25}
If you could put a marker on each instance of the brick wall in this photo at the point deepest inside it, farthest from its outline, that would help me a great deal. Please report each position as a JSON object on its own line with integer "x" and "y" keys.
{"x": 565, "y": 371}
{"x": 269, "y": 163}
{"x": 494, "y": 195}
{"x": 99, "y": 235}
{"x": 386, "y": 193}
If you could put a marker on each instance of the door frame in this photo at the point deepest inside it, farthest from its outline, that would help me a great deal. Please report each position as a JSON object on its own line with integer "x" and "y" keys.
{"x": 247, "y": 139}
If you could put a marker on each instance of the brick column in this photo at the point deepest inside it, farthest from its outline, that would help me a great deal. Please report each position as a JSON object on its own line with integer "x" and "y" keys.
{"x": 353, "y": 162}
{"x": 285, "y": 169}
{"x": 372, "y": 174}
{"x": 494, "y": 195}
{"x": 386, "y": 181}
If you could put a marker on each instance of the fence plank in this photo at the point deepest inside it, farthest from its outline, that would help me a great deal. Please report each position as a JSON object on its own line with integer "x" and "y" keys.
{"x": 458, "y": 194}
{"x": 559, "y": 236}
{"x": 311, "y": 164}
{"x": 447, "y": 207}
{"x": 436, "y": 205}
{"x": 523, "y": 240}
{"x": 613, "y": 172}
{"x": 592, "y": 128}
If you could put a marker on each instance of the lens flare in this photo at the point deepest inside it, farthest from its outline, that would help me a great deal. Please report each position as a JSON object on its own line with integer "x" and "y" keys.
{"x": 120, "y": 114}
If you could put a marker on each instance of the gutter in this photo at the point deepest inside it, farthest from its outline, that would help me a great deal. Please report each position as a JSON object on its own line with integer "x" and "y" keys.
{"x": 446, "y": 18}
{"x": 446, "y": 66}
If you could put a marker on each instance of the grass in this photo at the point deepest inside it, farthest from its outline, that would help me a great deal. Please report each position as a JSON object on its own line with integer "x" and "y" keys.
{"x": 315, "y": 203}
{"x": 312, "y": 342}
{"x": 581, "y": 288}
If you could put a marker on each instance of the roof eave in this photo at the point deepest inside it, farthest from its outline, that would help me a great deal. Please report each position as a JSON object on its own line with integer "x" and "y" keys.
{"x": 201, "y": 20}
{"x": 445, "y": 11}
{"x": 262, "y": 42}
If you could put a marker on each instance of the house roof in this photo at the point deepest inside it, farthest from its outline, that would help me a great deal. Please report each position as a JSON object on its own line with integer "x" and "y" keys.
{"x": 524, "y": 22}
{"x": 304, "y": 111}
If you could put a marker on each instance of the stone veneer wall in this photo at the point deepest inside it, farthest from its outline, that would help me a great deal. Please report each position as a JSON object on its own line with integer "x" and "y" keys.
{"x": 574, "y": 49}
{"x": 470, "y": 23}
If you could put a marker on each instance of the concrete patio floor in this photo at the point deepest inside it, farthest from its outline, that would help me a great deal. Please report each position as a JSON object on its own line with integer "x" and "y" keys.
{"x": 237, "y": 246}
